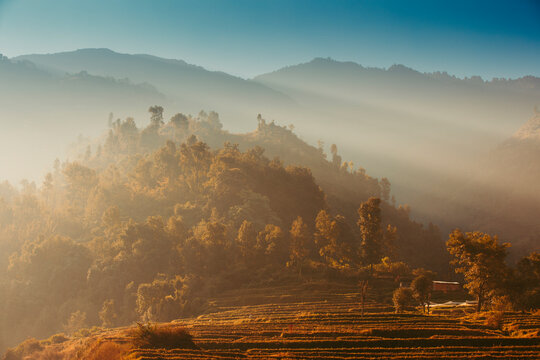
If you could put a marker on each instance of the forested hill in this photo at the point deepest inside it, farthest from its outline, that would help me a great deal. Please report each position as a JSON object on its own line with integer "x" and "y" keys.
{"x": 428, "y": 132}
{"x": 345, "y": 184}
{"x": 149, "y": 222}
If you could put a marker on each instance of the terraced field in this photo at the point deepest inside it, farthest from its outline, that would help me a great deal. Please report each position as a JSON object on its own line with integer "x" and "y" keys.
{"x": 327, "y": 324}
{"x": 322, "y": 321}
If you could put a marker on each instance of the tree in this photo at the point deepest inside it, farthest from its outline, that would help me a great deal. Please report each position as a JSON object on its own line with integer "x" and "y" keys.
{"x": 402, "y": 298}
{"x": 271, "y": 246}
{"x": 523, "y": 284}
{"x": 246, "y": 241}
{"x": 299, "y": 244}
{"x": 156, "y": 116}
{"x": 336, "y": 159}
{"x": 385, "y": 189}
{"x": 76, "y": 321}
{"x": 363, "y": 285}
{"x": 422, "y": 287}
{"x": 107, "y": 315}
{"x": 180, "y": 121}
{"x": 370, "y": 231}
{"x": 331, "y": 237}
{"x": 481, "y": 259}
{"x": 159, "y": 300}
{"x": 396, "y": 269}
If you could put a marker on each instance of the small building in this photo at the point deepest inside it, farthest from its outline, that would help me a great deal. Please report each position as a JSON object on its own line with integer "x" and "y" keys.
{"x": 446, "y": 286}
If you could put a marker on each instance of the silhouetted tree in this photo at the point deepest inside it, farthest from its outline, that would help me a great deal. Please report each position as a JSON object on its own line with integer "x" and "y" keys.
{"x": 385, "y": 189}
{"x": 156, "y": 116}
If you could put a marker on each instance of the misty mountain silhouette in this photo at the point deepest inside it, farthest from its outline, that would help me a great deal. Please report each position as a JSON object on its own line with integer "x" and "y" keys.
{"x": 191, "y": 87}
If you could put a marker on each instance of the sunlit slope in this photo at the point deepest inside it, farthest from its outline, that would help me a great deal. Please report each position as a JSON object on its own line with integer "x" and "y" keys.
{"x": 191, "y": 87}
{"x": 323, "y": 321}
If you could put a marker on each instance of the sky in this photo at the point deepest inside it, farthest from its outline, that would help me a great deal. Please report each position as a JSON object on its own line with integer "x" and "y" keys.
{"x": 251, "y": 37}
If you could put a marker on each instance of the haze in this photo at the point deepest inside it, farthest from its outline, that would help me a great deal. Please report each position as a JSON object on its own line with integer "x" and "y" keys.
{"x": 123, "y": 122}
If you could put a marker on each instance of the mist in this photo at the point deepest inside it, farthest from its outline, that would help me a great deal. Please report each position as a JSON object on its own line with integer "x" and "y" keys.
{"x": 142, "y": 189}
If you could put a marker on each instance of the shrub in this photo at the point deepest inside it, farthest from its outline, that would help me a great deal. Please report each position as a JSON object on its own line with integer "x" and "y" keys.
{"x": 501, "y": 303}
{"x": 57, "y": 339}
{"x": 50, "y": 354}
{"x": 495, "y": 319}
{"x": 27, "y": 347}
{"x": 402, "y": 298}
{"x": 108, "y": 350}
{"x": 166, "y": 337}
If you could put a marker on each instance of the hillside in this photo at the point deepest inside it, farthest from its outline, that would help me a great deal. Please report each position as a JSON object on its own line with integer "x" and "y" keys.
{"x": 311, "y": 321}
{"x": 149, "y": 223}
{"x": 426, "y": 132}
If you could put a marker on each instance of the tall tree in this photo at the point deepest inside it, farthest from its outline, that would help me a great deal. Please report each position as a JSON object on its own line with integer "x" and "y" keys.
{"x": 299, "y": 244}
{"x": 369, "y": 222}
{"x": 481, "y": 259}
{"x": 246, "y": 241}
{"x": 333, "y": 239}
{"x": 385, "y": 189}
{"x": 524, "y": 284}
{"x": 422, "y": 287}
{"x": 156, "y": 116}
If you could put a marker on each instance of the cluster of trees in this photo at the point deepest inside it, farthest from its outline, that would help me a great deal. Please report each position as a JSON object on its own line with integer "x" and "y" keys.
{"x": 148, "y": 223}
{"x": 481, "y": 260}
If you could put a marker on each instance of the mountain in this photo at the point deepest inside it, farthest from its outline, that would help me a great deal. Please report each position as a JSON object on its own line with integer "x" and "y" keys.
{"x": 426, "y": 132}
{"x": 39, "y": 109}
{"x": 191, "y": 87}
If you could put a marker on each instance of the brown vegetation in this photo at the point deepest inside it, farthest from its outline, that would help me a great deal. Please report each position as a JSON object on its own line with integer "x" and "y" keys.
{"x": 162, "y": 337}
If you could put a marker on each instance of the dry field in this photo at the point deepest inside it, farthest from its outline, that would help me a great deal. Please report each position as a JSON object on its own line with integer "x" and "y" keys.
{"x": 325, "y": 322}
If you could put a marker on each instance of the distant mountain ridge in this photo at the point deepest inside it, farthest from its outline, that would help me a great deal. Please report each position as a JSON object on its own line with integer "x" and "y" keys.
{"x": 48, "y": 110}
{"x": 191, "y": 87}
{"x": 526, "y": 82}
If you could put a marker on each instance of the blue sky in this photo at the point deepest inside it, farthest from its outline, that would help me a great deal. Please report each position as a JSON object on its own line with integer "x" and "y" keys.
{"x": 249, "y": 37}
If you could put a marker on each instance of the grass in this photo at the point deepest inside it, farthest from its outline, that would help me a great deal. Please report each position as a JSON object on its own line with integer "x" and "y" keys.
{"x": 105, "y": 350}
